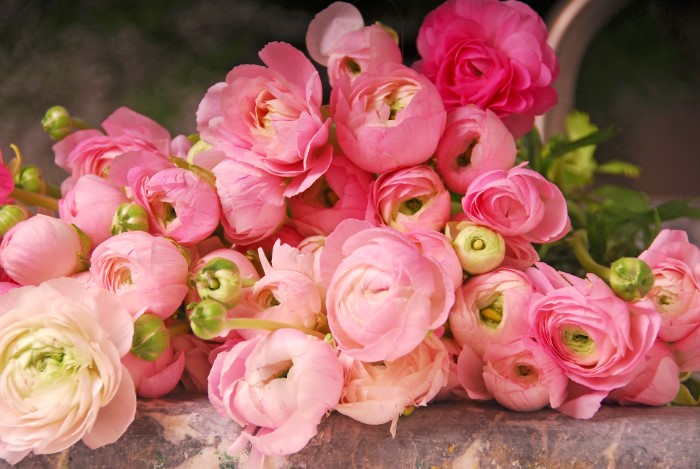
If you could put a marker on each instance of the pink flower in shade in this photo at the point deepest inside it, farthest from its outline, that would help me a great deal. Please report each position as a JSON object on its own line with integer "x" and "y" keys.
{"x": 179, "y": 204}
{"x": 155, "y": 378}
{"x": 40, "y": 248}
{"x": 197, "y": 366}
{"x": 7, "y": 183}
{"x": 252, "y": 202}
{"x": 687, "y": 353}
{"x": 493, "y": 54}
{"x": 339, "y": 194}
{"x": 148, "y": 273}
{"x": 270, "y": 117}
{"x": 675, "y": 263}
{"x": 378, "y": 112}
{"x": 597, "y": 338}
{"x": 384, "y": 294}
{"x": 408, "y": 199}
{"x": 491, "y": 308}
{"x": 437, "y": 246}
{"x": 90, "y": 205}
{"x": 283, "y": 383}
{"x": 377, "y": 393}
{"x": 475, "y": 140}
{"x": 518, "y": 202}
{"x": 61, "y": 379}
{"x": 520, "y": 254}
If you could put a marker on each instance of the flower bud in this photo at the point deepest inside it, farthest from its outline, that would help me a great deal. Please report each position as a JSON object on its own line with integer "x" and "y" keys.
{"x": 85, "y": 248}
{"x": 631, "y": 278}
{"x": 10, "y": 215}
{"x": 30, "y": 179}
{"x": 129, "y": 217}
{"x": 151, "y": 337}
{"x": 479, "y": 249}
{"x": 220, "y": 280}
{"x": 57, "y": 122}
{"x": 208, "y": 319}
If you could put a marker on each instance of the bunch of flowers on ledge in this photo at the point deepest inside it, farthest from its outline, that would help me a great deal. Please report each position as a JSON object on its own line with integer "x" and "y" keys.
{"x": 413, "y": 240}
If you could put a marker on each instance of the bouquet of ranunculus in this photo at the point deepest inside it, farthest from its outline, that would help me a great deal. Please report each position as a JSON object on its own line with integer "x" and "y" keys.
{"x": 410, "y": 241}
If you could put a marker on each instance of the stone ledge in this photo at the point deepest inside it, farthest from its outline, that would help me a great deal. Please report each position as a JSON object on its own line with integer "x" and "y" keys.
{"x": 187, "y": 433}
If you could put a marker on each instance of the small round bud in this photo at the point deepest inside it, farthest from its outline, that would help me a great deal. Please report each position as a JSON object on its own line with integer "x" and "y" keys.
{"x": 479, "y": 249}
{"x": 151, "y": 337}
{"x": 208, "y": 319}
{"x": 10, "y": 215}
{"x": 129, "y": 217}
{"x": 631, "y": 278}
{"x": 57, "y": 122}
{"x": 220, "y": 280}
{"x": 30, "y": 179}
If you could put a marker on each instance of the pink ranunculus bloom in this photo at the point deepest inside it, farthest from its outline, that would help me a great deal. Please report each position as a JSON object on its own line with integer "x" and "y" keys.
{"x": 520, "y": 254}
{"x": 437, "y": 246}
{"x": 377, "y": 393}
{"x": 179, "y": 204}
{"x": 197, "y": 366}
{"x": 475, "y": 140}
{"x": 491, "y": 308}
{"x": 7, "y": 183}
{"x": 252, "y": 202}
{"x": 380, "y": 111}
{"x": 148, "y": 273}
{"x": 379, "y": 280}
{"x": 493, "y": 54}
{"x": 687, "y": 353}
{"x": 286, "y": 234}
{"x": 339, "y": 194}
{"x": 283, "y": 383}
{"x": 40, "y": 248}
{"x": 518, "y": 202}
{"x": 597, "y": 338}
{"x": 675, "y": 263}
{"x": 270, "y": 117}
{"x": 90, "y": 205}
{"x": 61, "y": 379}
{"x": 155, "y": 378}
{"x": 407, "y": 199}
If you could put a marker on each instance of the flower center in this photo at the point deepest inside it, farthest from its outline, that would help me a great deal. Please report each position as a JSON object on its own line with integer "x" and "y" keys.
{"x": 465, "y": 158}
{"x": 491, "y": 316}
{"x": 411, "y": 206}
{"x": 578, "y": 341}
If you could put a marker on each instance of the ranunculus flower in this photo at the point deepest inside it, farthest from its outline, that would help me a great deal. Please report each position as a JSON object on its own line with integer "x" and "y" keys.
{"x": 41, "y": 248}
{"x": 675, "y": 263}
{"x": 597, "y": 338}
{"x": 377, "y": 393}
{"x": 60, "y": 375}
{"x": 340, "y": 193}
{"x": 479, "y": 248}
{"x": 520, "y": 253}
{"x": 197, "y": 366}
{"x": 283, "y": 382}
{"x": 379, "y": 112}
{"x": 474, "y": 140}
{"x": 90, "y": 205}
{"x": 384, "y": 294}
{"x": 148, "y": 273}
{"x": 493, "y": 54}
{"x": 155, "y": 378}
{"x": 409, "y": 198}
{"x": 518, "y": 202}
{"x": 7, "y": 182}
{"x": 270, "y": 117}
{"x": 437, "y": 246}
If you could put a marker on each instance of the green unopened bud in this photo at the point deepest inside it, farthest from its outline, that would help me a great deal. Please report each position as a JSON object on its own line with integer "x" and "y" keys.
{"x": 30, "y": 179}
{"x": 631, "y": 278}
{"x": 129, "y": 217}
{"x": 57, "y": 122}
{"x": 151, "y": 337}
{"x": 10, "y": 215}
{"x": 479, "y": 249}
{"x": 220, "y": 280}
{"x": 208, "y": 319}
{"x": 85, "y": 247}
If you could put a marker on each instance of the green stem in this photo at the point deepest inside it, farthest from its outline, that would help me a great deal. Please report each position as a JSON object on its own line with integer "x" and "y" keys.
{"x": 36, "y": 200}
{"x": 247, "y": 282}
{"x": 79, "y": 123}
{"x": 579, "y": 245}
{"x": 53, "y": 191}
{"x": 265, "y": 325}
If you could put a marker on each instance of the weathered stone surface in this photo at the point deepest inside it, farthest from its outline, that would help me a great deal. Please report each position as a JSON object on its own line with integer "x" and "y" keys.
{"x": 188, "y": 434}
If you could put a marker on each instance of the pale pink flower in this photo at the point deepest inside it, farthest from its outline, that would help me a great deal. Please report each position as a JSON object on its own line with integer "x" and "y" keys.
{"x": 328, "y": 26}
{"x": 148, "y": 273}
{"x": 283, "y": 383}
{"x": 61, "y": 378}
{"x": 380, "y": 279}
{"x": 40, "y": 248}
{"x": 475, "y": 140}
{"x": 155, "y": 378}
{"x": 270, "y": 117}
{"x": 407, "y": 199}
{"x": 675, "y": 263}
{"x": 90, "y": 205}
{"x": 518, "y": 202}
{"x": 378, "y": 112}
{"x": 377, "y": 393}
{"x": 437, "y": 246}
{"x": 493, "y": 54}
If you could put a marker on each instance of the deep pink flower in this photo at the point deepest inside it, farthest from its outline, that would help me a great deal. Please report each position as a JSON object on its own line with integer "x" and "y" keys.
{"x": 7, "y": 183}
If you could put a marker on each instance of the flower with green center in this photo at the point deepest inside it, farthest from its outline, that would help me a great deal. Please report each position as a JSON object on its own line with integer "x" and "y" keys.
{"x": 129, "y": 217}
{"x": 220, "y": 280}
{"x": 479, "y": 249}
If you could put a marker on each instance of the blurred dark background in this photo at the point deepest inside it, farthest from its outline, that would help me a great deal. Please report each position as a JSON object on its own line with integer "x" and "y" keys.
{"x": 641, "y": 73}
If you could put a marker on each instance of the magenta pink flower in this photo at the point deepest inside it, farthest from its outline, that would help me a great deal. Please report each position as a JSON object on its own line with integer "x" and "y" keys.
{"x": 378, "y": 112}
{"x": 7, "y": 183}
{"x": 283, "y": 383}
{"x": 408, "y": 199}
{"x": 493, "y": 54}
{"x": 270, "y": 117}
{"x": 474, "y": 141}
{"x": 518, "y": 202}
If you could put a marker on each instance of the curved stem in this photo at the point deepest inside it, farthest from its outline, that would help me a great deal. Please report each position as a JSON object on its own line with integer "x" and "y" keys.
{"x": 579, "y": 245}
{"x": 34, "y": 199}
{"x": 266, "y": 325}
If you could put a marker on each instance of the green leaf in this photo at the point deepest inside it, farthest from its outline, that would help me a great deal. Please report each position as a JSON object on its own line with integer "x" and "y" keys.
{"x": 678, "y": 208}
{"x": 619, "y": 168}
{"x": 593, "y": 138}
{"x": 685, "y": 397}
{"x": 628, "y": 199}
{"x": 530, "y": 149}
